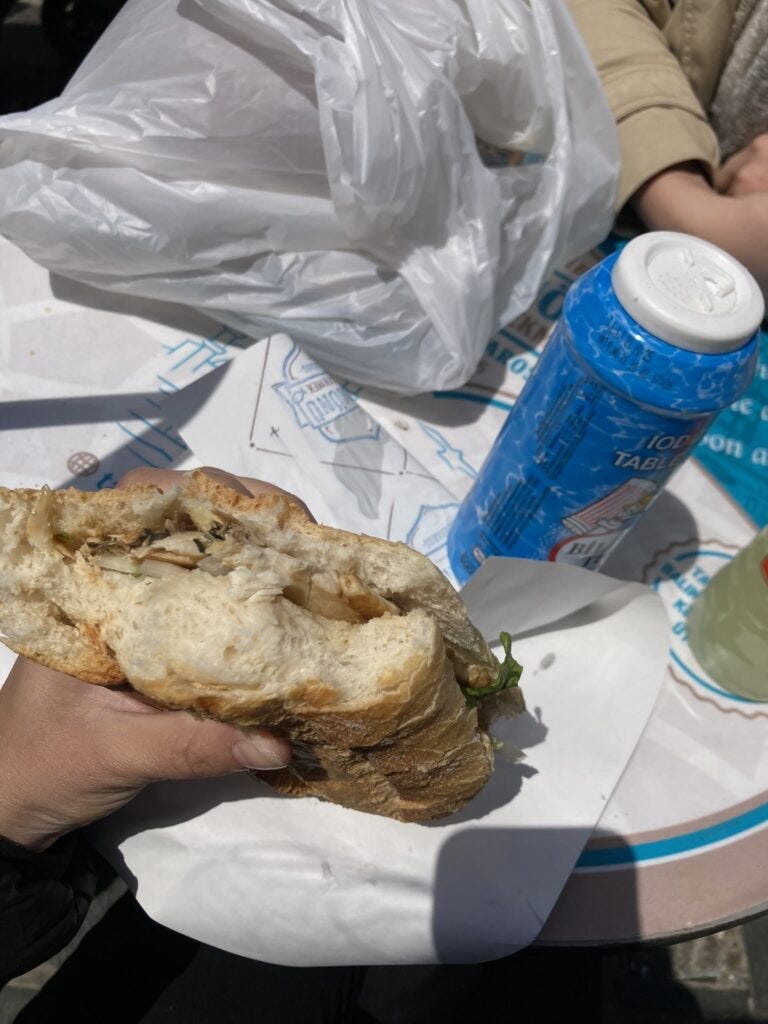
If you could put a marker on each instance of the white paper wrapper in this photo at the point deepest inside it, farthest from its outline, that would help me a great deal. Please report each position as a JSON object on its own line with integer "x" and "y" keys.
{"x": 305, "y": 883}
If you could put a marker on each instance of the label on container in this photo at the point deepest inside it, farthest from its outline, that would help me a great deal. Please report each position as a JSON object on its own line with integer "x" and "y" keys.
{"x": 735, "y": 450}
{"x": 573, "y": 467}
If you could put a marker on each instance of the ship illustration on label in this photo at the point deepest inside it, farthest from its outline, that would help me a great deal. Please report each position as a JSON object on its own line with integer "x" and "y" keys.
{"x": 595, "y": 527}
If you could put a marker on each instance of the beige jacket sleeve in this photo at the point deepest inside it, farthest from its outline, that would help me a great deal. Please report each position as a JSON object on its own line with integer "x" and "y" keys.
{"x": 659, "y": 118}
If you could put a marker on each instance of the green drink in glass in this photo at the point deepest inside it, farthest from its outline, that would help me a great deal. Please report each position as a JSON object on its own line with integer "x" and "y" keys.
{"x": 728, "y": 623}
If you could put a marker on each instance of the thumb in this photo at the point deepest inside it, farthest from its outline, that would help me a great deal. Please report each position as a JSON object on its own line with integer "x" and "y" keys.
{"x": 174, "y": 745}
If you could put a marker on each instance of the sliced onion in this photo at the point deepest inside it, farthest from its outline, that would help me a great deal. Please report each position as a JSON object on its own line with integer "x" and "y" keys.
{"x": 213, "y": 566}
{"x": 179, "y": 558}
{"x": 38, "y": 529}
{"x": 160, "y": 570}
{"x": 117, "y": 563}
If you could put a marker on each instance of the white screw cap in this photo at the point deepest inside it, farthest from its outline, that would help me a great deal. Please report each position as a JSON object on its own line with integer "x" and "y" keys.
{"x": 688, "y": 292}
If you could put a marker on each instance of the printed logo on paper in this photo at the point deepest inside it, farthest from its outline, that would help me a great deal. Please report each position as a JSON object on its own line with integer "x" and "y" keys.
{"x": 429, "y": 533}
{"x": 320, "y": 403}
{"x": 448, "y": 453}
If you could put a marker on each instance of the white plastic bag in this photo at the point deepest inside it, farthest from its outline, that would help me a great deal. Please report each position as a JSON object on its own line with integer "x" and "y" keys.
{"x": 313, "y": 167}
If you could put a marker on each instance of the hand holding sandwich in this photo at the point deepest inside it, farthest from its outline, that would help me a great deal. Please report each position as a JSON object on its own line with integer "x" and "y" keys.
{"x": 201, "y": 595}
{"x": 71, "y": 753}
{"x": 206, "y": 594}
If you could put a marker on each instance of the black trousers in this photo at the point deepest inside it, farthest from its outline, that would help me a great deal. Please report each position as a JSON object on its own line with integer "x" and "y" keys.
{"x": 129, "y": 970}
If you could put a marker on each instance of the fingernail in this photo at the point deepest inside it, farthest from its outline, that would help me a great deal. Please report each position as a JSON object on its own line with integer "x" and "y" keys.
{"x": 260, "y": 752}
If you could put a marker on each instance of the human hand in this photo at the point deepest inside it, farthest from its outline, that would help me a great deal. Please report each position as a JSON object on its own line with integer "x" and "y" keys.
{"x": 681, "y": 199}
{"x": 746, "y": 172}
{"x": 72, "y": 752}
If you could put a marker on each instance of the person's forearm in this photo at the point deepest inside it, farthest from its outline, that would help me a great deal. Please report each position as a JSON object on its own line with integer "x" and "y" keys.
{"x": 675, "y": 199}
{"x": 682, "y": 199}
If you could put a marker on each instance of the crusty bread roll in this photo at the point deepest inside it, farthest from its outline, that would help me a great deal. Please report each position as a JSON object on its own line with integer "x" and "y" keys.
{"x": 244, "y": 610}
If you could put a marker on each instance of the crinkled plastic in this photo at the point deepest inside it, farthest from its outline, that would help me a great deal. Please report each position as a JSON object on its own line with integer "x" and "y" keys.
{"x": 315, "y": 167}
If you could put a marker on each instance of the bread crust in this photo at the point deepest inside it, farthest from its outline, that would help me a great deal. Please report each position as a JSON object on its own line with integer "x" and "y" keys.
{"x": 414, "y": 752}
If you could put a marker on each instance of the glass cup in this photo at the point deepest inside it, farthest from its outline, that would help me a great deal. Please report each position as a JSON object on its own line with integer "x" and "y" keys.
{"x": 728, "y": 623}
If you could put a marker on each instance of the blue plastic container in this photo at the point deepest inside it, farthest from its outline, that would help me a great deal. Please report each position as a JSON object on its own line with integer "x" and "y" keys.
{"x": 652, "y": 344}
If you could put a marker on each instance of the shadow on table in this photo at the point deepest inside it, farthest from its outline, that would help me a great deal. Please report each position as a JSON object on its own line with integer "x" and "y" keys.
{"x": 667, "y": 522}
{"x": 150, "y": 420}
{"x": 156, "y": 443}
{"x": 168, "y": 314}
{"x": 453, "y": 411}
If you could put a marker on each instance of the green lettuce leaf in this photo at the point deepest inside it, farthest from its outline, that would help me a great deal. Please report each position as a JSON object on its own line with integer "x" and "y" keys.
{"x": 509, "y": 676}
